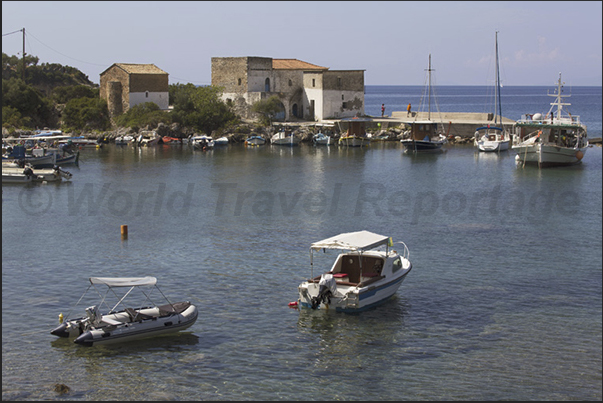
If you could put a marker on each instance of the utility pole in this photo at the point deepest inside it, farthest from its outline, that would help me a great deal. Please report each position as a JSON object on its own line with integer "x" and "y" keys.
{"x": 23, "y": 74}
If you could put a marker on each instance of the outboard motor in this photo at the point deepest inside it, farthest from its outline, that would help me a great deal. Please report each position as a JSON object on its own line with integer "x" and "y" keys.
{"x": 326, "y": 288}
{"x": 94, "y": 315}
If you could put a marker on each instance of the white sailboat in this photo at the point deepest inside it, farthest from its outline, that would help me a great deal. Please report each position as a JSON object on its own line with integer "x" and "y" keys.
{"x": 494, "y": 138}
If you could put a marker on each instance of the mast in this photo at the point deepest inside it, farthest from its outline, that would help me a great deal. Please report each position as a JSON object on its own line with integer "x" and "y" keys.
{"x": 497, "y": 89}
{"x": 558, "y": 99}
{"x": 429, "y": 91}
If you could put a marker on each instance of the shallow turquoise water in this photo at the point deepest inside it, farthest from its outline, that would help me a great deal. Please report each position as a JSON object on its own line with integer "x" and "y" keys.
{"x": 504, "y": 300}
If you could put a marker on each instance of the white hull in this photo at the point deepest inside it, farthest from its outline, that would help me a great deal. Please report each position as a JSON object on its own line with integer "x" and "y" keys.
{"x": 354, "y": 141}
{"x": 255, "y": 141}
{"x": 493, "y": 146}
{"x": 548, "y": 155}
{"x": 22, "y": 175}
{"x": 281, "y": 139}
{"x": 360, "y": 278}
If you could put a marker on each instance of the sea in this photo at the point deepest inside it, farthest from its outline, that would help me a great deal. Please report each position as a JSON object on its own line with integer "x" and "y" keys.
{"x": 503, "y": 301}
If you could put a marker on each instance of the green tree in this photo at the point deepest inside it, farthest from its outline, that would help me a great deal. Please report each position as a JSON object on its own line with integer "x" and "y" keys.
{"x": 201, "y": 108}
{"x": 87, "y": 114}
{"x": 142, "y": 115}
{"x": 267, "y": 109}
{"x": 61, "y": 95}
{"x": 28, "y": 102}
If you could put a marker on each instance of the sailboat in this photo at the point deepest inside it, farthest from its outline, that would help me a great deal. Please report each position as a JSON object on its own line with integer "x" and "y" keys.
{"x": 494, "y": 138}
{"x": 555, "y": 139}
{"x": 424, "y": 134}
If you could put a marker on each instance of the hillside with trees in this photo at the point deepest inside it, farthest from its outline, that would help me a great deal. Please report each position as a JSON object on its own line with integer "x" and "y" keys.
{"x": 56, "y": 96}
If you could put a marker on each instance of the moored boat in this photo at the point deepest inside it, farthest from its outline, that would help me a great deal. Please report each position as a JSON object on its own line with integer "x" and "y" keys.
{"x": 255, "y": 141}
{"x": 202, "y": 142}
{"x": 425, "y": 136}
{"x": 28, "y": 174}
{"x": 355, "y": 135}
{"x": 365, "y": 273}
{"x": 121, "y": 322}
{"x": 494, "y": 138}
{"x": 555, "y": 139}
{"x": 285, "y": 138}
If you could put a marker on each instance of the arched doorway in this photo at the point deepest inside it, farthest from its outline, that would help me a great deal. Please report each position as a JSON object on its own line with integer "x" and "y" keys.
{"x": 267, "y": 85}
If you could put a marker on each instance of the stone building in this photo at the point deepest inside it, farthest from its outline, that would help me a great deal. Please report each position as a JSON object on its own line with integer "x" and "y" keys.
{"x": 306, "y": 91}
{"x": 124, "y": 85}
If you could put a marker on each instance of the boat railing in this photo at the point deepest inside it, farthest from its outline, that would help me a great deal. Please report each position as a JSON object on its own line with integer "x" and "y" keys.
{"x": 544, "y": 120}
{"x": 405, "y": 253}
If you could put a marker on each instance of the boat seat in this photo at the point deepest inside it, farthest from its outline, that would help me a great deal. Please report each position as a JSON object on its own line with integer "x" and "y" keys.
{"x": 136, "y": 315}
{"x": 169, "y": 309}
{"x": 110, "y": 321}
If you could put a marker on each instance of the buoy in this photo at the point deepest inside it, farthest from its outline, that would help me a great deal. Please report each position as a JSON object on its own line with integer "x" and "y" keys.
{"x": 294, "y": 303}
{"x": 61, "y": 317}
{"x": 124, "y": 232}
{"x": 579, "y": 155}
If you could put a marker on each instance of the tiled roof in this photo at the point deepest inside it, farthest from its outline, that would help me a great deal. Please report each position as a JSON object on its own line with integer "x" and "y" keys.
{"x": 294, "y": 64}
{"x": 133, "y": 68}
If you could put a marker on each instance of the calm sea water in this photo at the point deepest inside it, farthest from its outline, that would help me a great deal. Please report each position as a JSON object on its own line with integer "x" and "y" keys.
{"x": 504, "y": 300}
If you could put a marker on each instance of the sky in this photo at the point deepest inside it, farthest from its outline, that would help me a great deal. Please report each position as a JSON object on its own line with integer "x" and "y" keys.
{"x": 390, "y": 41}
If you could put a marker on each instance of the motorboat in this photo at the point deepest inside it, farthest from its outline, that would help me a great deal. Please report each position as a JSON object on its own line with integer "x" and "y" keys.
{"x": 202, "y": 142}
{"x": 555, "y": 139}
{"x": 365, "y": 273}
{"x": 284, "y": 138}
{"x": 255, "y": 141}
{"x": 124, "y": 140}
{"x": 425, "y": 135}
{"x": 27, "y": 174}
{"x": 81, "y": 142}
{"x": 122, "y": 322}
{"x": 321, "y": 139}
{"x": 221, "y": 141}
{"x": 493, "y": 138}
{"x": 355, "y": 135}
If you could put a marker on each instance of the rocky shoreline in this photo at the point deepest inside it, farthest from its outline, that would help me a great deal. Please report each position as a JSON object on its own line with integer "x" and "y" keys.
{"x": 239, "y": 133}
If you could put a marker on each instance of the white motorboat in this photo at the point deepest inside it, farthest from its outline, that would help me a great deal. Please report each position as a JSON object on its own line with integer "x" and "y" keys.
{"x": 284, "y": 138}
{"x": 555, "y": 139}
{"x": 202, "y": 142}
{"x": 365, "y": 273}
{"x": 124, "y": 140}
{"x": 493, "y": 138}
{"x": 425, "y": 136}
{"x": 221, "y": 141}
{"x": 126, "y": 323}
{"x": 255, "y": 141}
{"x": 28, "y": 174}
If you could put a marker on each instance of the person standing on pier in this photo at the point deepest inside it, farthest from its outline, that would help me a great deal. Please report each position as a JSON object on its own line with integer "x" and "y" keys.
{"x": 408, "y": 110}
{"x": 382, "y": 109}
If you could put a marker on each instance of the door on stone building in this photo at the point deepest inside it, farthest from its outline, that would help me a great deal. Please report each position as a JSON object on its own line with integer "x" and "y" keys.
{"x": 311, "y": 111}
{"x": 267, "y": 85}
{"x": 294, "y": 110}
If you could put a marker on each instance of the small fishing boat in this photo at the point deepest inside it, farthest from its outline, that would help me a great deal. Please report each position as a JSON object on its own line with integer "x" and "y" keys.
{"x": 365, "y": 273}
{"x": 285, "y": 138}
{"x": 122, "y": 322}
{"x": 555, "y": 139}
{"x": 321, "y": 139}
{"x": 255, "y": 141}
{"x": 493, "y": 138}
{"x": 355, "y": 135}
{"x": 222, "y": 141}
{"x": 202, "y": 142}
{"x": 28, "y": 174}
{"x": 425, "y": 136}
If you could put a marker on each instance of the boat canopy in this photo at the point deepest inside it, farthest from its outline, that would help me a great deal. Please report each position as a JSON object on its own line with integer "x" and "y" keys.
{"x": 355, "y": 241}
{"x": 489, "y": 127}
{"x": 123, "y": 281}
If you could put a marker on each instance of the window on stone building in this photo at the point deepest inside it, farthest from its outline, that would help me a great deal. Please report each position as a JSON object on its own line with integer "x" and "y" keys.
{"x": 239, "y": 81}
{"x": 342, "y": 97}
{"x": 146, "y": 94}
{"x": 267, "y": 85}
{"x": 290, "y": 83}
{"x": 313, "y": 82}
{"x": 339, "y": 81}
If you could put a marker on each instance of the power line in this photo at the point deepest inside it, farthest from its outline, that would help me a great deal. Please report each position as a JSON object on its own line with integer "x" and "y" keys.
{"x": 69, "y": 57}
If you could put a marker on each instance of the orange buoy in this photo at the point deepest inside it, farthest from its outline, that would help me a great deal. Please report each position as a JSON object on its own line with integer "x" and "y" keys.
{"x": 124, "y": 232}
{"x": 579, "y": 155}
